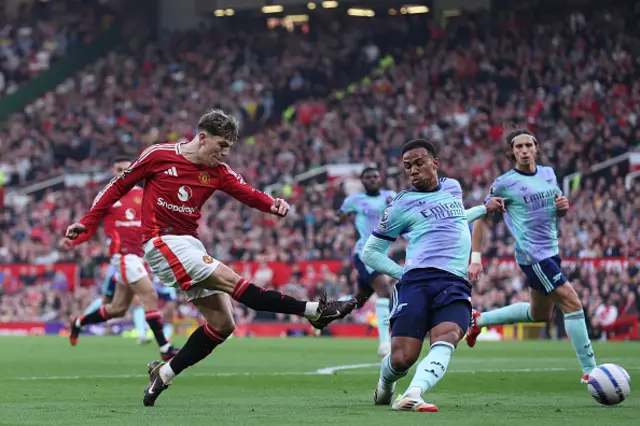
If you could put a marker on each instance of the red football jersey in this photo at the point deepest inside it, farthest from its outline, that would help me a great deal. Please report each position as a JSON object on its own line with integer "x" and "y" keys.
{"x": 175, "y": 190}
{"x": 122, "y": 225}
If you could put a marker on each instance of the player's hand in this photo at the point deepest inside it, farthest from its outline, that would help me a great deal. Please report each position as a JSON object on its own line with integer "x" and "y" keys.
{"x": 65, "y": 244}
{"x": 495, "y": 205}
{"x": 74, "y": 231}
{"x": 280, "y": 207}
{"x": 562, "y": 203}
{"x": 474, "y": 272}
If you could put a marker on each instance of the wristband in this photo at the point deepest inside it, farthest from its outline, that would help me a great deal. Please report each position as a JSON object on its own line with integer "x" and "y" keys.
{"x": 476, "y": 257}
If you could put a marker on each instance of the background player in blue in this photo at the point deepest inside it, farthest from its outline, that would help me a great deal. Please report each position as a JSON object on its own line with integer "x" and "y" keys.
{"x": 533, "y": 202}
{"x": 432, "y": 294}
{"x": 368, "y": 207}
{"x": 170, "y": 297}
{"x": 108, "y": 290}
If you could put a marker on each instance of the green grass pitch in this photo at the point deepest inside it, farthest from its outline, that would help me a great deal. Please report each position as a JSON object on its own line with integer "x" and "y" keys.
{"x": 297, "y": 381}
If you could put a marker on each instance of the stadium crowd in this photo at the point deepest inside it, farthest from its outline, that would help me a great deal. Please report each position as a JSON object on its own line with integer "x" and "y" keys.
{"x": 44, "y": 32}
{"x": 574, "y": 79}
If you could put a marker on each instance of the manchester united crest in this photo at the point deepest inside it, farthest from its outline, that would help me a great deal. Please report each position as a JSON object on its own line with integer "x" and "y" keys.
{"x": 207, "y": 259}
{"x": 204, "y": 178}
{"x": 137, "y": 200}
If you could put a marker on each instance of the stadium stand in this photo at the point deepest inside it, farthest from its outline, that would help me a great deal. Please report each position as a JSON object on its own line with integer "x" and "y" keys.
{"x": 342, "y": 93}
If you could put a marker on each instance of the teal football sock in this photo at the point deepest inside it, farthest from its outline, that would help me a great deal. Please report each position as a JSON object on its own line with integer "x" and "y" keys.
{"x": 168, "y": 331}
{"x": 512, "y": 314}
{"x": 431, "y": 369}
{"x": 139, "y": 321}
{"x": 576, "y": 329}
{"x": 94, "y": 306}
{"x": 382, "y": 315}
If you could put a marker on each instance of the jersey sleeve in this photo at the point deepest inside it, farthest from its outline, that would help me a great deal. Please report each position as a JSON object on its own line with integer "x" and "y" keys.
{"x": 232, "y": 183}
{"x": 495, "y": 190}
{"x": 555, "y": 180}
{"x": 348, "y": 205}
{"x": 392, "y": 223}
{"x": 141, "y": 168}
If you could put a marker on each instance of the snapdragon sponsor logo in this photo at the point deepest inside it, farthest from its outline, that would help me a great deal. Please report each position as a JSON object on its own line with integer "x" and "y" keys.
{"x": 178, "y": 209}
{"x": 131, "y": 223}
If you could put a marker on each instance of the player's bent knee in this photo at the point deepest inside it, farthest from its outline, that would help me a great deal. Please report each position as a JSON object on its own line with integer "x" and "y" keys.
{"x": 541, "y": 314}
{"x": 405, "y": 351}
{"x": 225, "y": 328}
{"x": 446, "y": 332}
{"x": 404, "y": 359}
{"x": 117, "y": 311}
{"x": 567, "y": 299}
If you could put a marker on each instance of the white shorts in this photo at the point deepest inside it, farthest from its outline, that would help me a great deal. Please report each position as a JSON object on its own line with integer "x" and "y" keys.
{"x": 181, "y": 261}
{"x": 129, "y": 268}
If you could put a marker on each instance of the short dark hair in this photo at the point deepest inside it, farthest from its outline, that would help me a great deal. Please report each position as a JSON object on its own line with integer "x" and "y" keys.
{"x": 512, "y": 132}
{"x": 431, "y": 147}
{"x": 122, "y": 159}
{"x": 217, "y": 123}
{"x": 369, "y": 168}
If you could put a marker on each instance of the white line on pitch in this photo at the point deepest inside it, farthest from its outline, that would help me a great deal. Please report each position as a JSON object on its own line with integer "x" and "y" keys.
{"x": 321, "y": 371}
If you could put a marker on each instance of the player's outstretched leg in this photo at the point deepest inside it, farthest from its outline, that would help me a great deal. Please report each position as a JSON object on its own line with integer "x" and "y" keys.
{"x": 117, "y": 308}
{"x": 512, "y": 314}
{"x": 184, "y": 261}
{"x": 257, "y": 298}
{"x": 217, "y": 310}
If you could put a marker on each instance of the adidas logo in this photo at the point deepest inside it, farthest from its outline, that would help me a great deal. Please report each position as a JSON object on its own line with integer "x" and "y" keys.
{"x": 171, "y": 172}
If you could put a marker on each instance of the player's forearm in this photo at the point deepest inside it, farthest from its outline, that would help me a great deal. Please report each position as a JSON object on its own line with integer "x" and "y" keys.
{"x": 476, "y": 236}
{"x": 261, "y": 201}
{"x": 475, "y": 213}
{"x": 374, "y": 255}
{"x": 248, "y": 195}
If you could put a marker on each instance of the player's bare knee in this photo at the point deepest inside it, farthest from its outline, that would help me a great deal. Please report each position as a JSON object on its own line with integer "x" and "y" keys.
{"x": 541, "y": 314}
{"x": 222, "y": 279}
{"x": 149, "y": 300}
{"x": 225, "y": 327}
{"x": 404, "y": 353}
{"x": 116, "y": 311}
{"x": 567, "y": 299}
{"x": 447, "y": 332}
{"x": 570, "y": 303}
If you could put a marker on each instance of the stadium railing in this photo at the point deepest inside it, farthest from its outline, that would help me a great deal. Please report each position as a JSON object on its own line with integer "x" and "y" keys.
{"x": 629, "y": 162}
